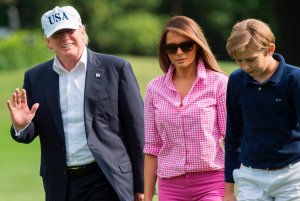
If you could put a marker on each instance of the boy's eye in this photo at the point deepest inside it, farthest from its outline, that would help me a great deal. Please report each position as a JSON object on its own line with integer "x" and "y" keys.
{"x": 250, "y": 60}
{"x": 246, "y": 60}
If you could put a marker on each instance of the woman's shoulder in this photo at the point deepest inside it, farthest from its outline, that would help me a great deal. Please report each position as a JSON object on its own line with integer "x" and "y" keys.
{"x": 158, "y": 80}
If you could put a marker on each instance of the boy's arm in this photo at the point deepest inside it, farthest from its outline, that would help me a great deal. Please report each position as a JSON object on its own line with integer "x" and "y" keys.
{"x": 233, "y": 128}
{"x": 229, "y": 192}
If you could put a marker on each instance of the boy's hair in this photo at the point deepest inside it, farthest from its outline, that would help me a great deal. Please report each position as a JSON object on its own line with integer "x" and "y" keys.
{"x": 249, "y": 34}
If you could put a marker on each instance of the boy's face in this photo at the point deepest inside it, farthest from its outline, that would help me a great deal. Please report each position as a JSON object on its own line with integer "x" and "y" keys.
{"x": 255, "y": 63}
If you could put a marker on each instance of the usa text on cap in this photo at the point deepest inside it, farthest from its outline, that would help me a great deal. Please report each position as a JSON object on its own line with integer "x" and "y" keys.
{"x": 59, "y": 18}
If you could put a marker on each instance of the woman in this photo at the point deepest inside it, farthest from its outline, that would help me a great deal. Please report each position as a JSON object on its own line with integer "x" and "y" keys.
{"x": 185, "y": 117}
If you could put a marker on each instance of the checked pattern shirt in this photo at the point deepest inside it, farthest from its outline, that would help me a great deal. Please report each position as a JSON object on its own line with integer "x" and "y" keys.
{"x": 186, "y": 137}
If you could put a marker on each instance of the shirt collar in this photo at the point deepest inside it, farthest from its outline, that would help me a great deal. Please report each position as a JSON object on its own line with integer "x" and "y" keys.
{"x": 58, "y": 68}
{"x": 275, "y": 78}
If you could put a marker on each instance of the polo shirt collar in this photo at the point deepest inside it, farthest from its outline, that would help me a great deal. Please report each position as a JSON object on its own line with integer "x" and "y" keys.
{"x": 275, "y": 78}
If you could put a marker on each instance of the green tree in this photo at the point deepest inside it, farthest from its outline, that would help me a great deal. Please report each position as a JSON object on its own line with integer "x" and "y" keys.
{"x": 287, "y": 13}
{"x": 121, "y": 26}
{"x": 217, "y": 17}
{"x": 134, "y": 26}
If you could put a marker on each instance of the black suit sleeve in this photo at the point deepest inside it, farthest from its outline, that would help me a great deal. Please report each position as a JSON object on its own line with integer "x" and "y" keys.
{"x": 132, "y": 120}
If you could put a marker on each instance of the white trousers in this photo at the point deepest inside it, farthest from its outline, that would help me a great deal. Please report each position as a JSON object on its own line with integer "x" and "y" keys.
{"x": 268, "y": 185}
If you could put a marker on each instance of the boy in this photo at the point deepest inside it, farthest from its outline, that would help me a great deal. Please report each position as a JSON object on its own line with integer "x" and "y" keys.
{"x": 262, "y": 145}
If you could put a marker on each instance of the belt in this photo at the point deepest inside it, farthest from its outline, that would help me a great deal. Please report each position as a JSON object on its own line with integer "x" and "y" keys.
{"x": 269, "y": 168}
{"x": 275, "y": 168}
{"x": 82, "y": 170}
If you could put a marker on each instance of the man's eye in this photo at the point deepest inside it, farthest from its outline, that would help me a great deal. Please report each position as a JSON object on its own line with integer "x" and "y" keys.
{"x": 55, "y": 35}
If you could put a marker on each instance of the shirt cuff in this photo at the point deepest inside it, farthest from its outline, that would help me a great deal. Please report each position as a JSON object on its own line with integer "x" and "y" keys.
{"x": 151, "y": 149}
{"x": 18, "y": 133}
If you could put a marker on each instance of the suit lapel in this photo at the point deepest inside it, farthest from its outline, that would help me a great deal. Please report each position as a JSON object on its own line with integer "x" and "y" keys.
{"x": 51, "y": 86}
{"x": 93, "y": 87}
{"x": 93, "y": 91}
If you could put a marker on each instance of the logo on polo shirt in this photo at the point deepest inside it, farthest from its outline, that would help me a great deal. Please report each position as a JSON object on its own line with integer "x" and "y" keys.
{"x": 57, "y": 17}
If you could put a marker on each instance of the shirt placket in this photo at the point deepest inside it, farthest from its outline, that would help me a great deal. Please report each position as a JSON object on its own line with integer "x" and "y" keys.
{"x": 181, "y": 110}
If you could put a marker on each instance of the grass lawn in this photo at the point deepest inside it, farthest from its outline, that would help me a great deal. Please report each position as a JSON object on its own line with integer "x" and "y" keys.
{"x": 19, "y": 176}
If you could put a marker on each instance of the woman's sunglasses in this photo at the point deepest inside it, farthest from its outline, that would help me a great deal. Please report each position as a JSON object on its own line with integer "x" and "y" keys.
{"x": 185, "y": 46}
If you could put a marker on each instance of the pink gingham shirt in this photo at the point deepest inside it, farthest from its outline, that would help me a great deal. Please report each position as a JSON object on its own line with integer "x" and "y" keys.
{"x": 186, "y": 138}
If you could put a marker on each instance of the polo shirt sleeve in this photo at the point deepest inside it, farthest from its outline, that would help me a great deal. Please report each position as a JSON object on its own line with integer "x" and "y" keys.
{"x": 296, "y": 95}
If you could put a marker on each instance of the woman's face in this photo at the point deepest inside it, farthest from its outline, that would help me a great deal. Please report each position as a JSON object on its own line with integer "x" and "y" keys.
{"x": 184, "y": 51}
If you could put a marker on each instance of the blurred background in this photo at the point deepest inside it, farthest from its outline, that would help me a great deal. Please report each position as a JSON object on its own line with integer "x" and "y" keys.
{"x": 133, "y": 26}
{"x": 128, "y": 28}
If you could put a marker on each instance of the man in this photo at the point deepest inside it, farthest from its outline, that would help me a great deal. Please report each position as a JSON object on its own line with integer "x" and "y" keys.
{"x": 87, "y": 110}
{"x": 262, "y": 144}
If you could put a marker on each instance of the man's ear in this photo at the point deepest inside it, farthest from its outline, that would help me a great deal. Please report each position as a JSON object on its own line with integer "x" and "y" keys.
{"x": 83, "y": 29}
{"x": 47, "y": 43}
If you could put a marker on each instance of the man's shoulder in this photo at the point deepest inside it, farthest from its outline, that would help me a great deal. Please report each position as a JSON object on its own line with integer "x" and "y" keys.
{"x": 108, "y": 58}
{"x": 41, "y": 67}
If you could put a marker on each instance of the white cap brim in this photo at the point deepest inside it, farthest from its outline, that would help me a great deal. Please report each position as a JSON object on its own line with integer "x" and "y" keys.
{"x": 63, "y": 25}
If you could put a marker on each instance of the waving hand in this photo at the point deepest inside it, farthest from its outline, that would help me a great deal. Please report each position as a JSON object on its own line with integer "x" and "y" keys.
{"x": 21, "y": 115}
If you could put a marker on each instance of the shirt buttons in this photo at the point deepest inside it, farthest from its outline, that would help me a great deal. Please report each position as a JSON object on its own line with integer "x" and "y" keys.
{"x": 259, "y": 88}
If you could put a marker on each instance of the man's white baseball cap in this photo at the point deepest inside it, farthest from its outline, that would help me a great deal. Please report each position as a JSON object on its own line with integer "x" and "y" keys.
{"x": 59, "y": 18}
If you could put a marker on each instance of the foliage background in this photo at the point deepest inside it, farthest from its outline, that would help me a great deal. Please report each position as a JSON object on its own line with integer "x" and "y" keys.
{"x": 123, "y": 27}
{"x": 134, "y": 26}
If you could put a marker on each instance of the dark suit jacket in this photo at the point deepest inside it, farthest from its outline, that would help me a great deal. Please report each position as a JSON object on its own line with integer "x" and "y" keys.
{"x": 113, "y": 116}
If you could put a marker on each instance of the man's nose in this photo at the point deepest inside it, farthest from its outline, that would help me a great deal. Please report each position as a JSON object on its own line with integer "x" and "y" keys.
{"x": 65, "y": 33}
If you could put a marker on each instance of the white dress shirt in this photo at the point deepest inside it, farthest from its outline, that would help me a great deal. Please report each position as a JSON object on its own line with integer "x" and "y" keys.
{"x": 71, "y": 91}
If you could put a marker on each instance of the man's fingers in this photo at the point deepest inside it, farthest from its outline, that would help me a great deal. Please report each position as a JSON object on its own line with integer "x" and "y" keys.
{"x": 13, "y": 98}
{"x": 17, "y": 96}
{"x": 34, "y": 108}
{"x": 24, "y": 97}
{"x": 9, "y": 105}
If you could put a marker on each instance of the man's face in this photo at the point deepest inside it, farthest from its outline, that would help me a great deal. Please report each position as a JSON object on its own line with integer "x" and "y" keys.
{"x": 67, "y": 43}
